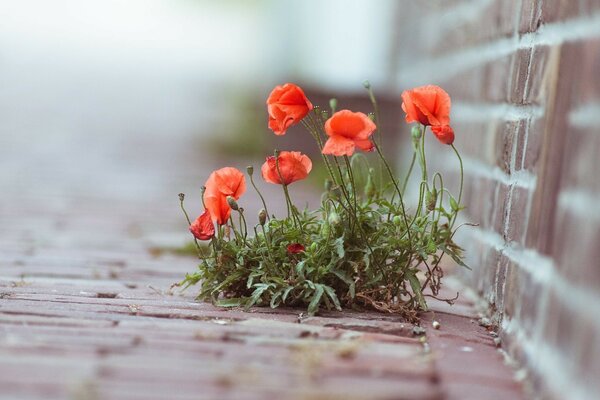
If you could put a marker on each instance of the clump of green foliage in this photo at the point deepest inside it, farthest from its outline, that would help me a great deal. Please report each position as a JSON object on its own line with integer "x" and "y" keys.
{"x": 361, "y": 249}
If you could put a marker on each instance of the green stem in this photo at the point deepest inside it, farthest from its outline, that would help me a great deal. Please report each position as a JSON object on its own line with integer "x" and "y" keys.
{"x": 424, "y": 178}
{"x": 187, "y": 217}
{"x": 461, "y": 183}
{"x": 314, "y": 131}
{"x": 353, "y": 185}
{"x": 409, "y": 173}
{"x": 375, "y": 111}
{"x": 391, "y": 174}
{"x": 262, "y": 199}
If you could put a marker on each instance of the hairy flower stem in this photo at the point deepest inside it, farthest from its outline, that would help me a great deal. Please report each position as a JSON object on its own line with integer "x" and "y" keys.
{"x": 393, "y": 178}
{"x": 315, "y": 130}
{"x": 375, "y": 109}
{"x": 461, "y": 183}
{"x": 243, "y": 224}
{"x": 262, "y": 199}
{"x": 238, "y": 236}
{"x": 290, "y": 205}
{"x": 409, "y": 173}
{"x": 187, "y": 217}
{"x": 424, "y": 179}
{"x": 353, "y": 185}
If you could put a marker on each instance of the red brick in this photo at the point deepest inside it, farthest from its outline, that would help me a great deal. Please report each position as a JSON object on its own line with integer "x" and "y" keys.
{"x": 520, "y": 74}
{"x": 529, "y": 18}
{"x": 495, "y": 20}
{"x": 533, "y": 91}
{"x": 532, "y": 144}
{"x": 516, "y": 221}
{"x": 576, "y": 256}
{"x": 556, "y": 10}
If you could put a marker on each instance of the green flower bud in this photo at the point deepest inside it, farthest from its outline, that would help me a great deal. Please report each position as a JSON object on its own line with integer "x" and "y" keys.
{"x": 313, "y": 247}
{"x": 367, "y": 84}
{"x": 397, "y": 220}
{"x": 415, "y": 132}
{"x": 333, "y": 218}
{"x": 370, "y": 190}
{"x": 262, "y": 217}
{"x": 232, "y": 203}
{"x": 333, "y": 104}
{"x": 431, "y": 247}
{"x": 431, "y": 199}
{"x": 250, "y": 170}
{"x": 181, "y": 196}
{"x": 325, "y": 229}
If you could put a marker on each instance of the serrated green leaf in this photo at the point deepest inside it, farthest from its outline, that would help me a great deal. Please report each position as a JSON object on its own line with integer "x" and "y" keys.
{"x": 260, "y": 289}
{"x": 286, "y": 292}
{"x": 416, "y": 287}
{"x": 339, "y": 247}
{"x": 232, "y": 302}
{"x": 453, "y": 204}
{"x": 456, "y": 258}
{"x": 346, "y": 279}
{"x": 331, "y": 294}
{"x": 313, "y": 307}
{"x": 276, "y": 300}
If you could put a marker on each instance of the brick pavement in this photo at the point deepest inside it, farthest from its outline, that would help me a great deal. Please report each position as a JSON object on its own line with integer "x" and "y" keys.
{"x": 86, "y": 312}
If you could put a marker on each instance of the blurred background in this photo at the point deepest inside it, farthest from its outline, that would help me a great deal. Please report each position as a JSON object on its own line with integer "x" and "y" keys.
{"x": 104, "y": 101}
{"x": 108, "y": 109}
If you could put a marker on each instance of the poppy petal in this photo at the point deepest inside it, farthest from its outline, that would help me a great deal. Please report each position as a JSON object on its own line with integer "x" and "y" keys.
{"x": 338, "y": 145}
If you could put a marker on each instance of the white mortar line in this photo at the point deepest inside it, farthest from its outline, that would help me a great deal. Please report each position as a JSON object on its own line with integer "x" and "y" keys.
{"x": 543, "y": 270}
{"x": 525, "y": 142}
{"x": 583, "y": 203}
{"x": 586, "y": 116}
{"x": 547, "y": 35}
{"x": 549, "y": 363}
{"x": 521, "y": 178}
{"x": 465, "y": 111}
{"x": 449, "y": 18}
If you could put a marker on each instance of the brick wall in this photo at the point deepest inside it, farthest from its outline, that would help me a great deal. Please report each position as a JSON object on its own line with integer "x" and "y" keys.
{"x": 524, "y": 76}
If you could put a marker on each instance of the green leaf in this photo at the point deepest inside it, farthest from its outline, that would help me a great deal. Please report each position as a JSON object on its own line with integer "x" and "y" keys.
{"x": 339, "y": 247}
{"x": 300, "y": 268}
{"x": 456, "y": 258}
{"x": 232, "y": 302}
{"x": 331, "y": 293}
{"x": 316, "y": 299}
{"x": 276, "y": 300}
{"x": 260, "y": 288}
{"x": 416, "y": 287}
{"x": 286, "y": 292}
{"x": 453, "y": 204}
{"x": 346, "y": 279}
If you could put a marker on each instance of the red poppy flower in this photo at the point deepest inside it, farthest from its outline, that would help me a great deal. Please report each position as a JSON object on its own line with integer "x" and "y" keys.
{"x": 444, "y": 133}
{"x": 286, "y": 105}
{"x": 347, "y": 130}
{"x": 295, "y": 248}
{"x": 221, "y": 183}
{"x": 428, "y": 105}
{"x": 202, "y": 228}
{"x": 293, "y": 167}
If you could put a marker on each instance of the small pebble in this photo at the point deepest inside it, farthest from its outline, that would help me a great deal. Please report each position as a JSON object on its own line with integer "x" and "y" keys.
{"x": 436, "y": 325}
{"x": 418, "y": 331}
